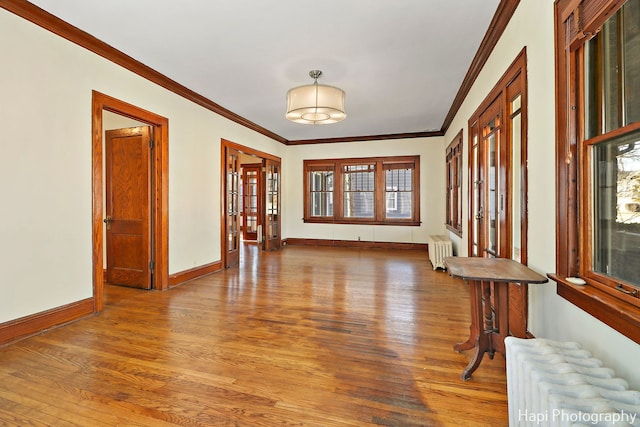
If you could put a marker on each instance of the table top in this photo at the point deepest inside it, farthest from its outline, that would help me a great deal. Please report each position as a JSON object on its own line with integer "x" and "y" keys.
{"x": 492, "y": 269}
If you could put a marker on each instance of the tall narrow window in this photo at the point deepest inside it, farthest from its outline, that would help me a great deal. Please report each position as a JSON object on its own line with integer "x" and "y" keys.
{"x": 611, "y": 153}
{"x": 321, "y": 182}
{"x": 398, "y": 190}
{"x": 454, "y": 185}
{"x": 374, "y": 190}
{"x": 358, "y": 186}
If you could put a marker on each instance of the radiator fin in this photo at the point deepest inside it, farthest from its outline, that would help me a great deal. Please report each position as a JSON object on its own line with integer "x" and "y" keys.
{"x": 553, "y": 383}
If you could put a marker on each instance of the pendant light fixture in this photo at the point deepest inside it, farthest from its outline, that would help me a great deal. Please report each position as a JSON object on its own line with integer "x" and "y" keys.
{"x": 315, "y": 104}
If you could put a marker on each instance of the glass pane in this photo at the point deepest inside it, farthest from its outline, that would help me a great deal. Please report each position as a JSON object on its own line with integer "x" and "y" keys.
{"x": 321, "y": 204}
{"x": 358, "y": 186}
{"x": 516, "y": 187}
{"x": 616, "y": 195}
{"x": 358, "y": 204}
{"x": 631, "y": 54}
{"x": 476, "y": 198}
{"x": 493, "y": 199}
{"x": 591, "y": 106}
{"x": 321, "y": 193}
{"x": 610, "y": 70}
{"x": 398, "y": 194}
{"x": 612, "y": 73}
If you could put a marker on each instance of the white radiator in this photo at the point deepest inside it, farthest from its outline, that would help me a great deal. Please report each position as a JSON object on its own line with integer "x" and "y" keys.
{"x": 440, "y": 247}
{"x": 551, "y": 383}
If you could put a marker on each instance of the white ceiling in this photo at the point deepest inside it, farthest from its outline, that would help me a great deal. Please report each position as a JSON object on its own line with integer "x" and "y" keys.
{"x": 400, "y": 62}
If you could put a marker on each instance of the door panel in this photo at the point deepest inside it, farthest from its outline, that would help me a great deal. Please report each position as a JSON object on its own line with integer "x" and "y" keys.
{"x": 232, "y": 203}
{"x": 272, "y": 239}
{"x": 251, "y": 203}
{"x": 128, "y": 207}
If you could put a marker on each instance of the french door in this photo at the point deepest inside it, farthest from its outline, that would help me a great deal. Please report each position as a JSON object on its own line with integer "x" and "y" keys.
{"x": 251, "y": 194}
{"x": 498, "y": 181}
{"x": 272, "y": 238}
{"x": 232, "y": 208}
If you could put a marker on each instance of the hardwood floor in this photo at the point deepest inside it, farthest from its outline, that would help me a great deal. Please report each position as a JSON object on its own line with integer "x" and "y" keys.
{"x": 301, "y": 337}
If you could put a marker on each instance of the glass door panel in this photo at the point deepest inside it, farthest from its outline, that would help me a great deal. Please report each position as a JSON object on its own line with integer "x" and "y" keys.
{"x": 272, "y": 205}
{"x": 232, "y": 202}
{"x": 251, "y": 195}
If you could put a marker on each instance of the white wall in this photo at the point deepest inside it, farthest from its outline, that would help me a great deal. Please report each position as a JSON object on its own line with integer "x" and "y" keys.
{"x": 550, "y": 316}
{"x": 45, "y": 167}
{"x": 432, "y": 184}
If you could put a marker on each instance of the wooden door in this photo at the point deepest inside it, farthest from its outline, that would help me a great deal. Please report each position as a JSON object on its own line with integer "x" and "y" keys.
{"x": 251, "y": 193}
{"x": 232, "y": 208}
{"x": 494, "y": 235}
{"x": 272, "y": 238}
{"x": 128, "y": 207}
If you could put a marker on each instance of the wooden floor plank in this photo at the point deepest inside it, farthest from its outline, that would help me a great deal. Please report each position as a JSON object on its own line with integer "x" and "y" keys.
{"x": 304, "y": 336}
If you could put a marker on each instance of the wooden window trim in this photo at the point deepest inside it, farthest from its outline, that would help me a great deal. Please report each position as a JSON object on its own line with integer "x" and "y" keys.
{"x": 381, "y": 165}
{"x": 575, "y": 22}
{"x": 454, "y": 185}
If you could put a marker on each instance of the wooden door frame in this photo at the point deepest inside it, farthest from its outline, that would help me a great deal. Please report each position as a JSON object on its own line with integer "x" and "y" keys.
{"x": 224, "y": 146}
{"x": 159, "y": 183}
{"x": 517, "y": 69}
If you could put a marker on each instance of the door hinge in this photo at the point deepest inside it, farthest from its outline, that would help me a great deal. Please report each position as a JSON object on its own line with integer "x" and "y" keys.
{"x": 152, "y": 265}
{"x": 151, "y": 144}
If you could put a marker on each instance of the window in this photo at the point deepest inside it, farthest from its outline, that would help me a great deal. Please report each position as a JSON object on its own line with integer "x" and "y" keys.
{"x": 378, "y": 190}
{"x": 321, "y": 190}
{"x": 454, "y": 185}
{"x": 598, "y": 169}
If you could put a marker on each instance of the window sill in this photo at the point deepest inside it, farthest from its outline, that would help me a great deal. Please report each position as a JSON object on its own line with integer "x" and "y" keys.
{"x": 618, "y": 314}
{"x": 454, "y": 230}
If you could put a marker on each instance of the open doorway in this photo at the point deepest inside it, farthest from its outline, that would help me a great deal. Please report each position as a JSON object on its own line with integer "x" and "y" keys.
{"x": 249, "y": 208}
{"x": 129, "y": 159}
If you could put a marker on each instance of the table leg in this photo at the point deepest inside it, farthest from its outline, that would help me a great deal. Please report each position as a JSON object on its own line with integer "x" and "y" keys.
{"x": 476, "y": 318}
{"x": 481, "y": 349}
{"x": 482, "y": 326}
{"x": 489, "y": 315}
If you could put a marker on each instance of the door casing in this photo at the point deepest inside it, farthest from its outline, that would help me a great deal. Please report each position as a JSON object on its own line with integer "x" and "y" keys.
{"x": 160, "y": 185}
{"x": 225, "y": 147}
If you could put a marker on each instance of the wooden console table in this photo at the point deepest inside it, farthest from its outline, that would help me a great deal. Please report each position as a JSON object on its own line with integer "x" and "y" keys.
{"x": 488, "y": 279}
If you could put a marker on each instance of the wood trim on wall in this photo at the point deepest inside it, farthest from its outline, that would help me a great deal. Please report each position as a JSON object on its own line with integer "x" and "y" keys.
{"x": 35, "y": 323}
{"x": 354, "y": 244}
{"x": 367, "y": 138}
{"x": 194, "y": 273}
{"x": 503, "y": 15}
{"x": 67, "y": 31}
{"x": 52, "y": 23}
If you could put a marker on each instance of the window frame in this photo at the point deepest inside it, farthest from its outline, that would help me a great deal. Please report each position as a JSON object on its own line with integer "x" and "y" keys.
{"x": 453, "y": 190}
{"x": 576, "y": 23}
{"x": 381, "y": 165}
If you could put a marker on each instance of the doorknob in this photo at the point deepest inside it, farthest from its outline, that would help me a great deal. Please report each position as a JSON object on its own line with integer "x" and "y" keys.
{"x": 107, "y": 221}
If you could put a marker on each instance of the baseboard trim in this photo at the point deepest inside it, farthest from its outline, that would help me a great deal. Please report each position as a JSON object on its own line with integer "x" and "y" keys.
{"x": 33, "y": 324}
{"x": 194, "y": 273}
{"x": 355, "y": 244}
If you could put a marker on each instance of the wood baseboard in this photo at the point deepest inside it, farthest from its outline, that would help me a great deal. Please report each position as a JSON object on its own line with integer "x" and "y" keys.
{"x": 355, "y": 244}
{"x": 33, "y": 324}
{"x": 193, "y": 273}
